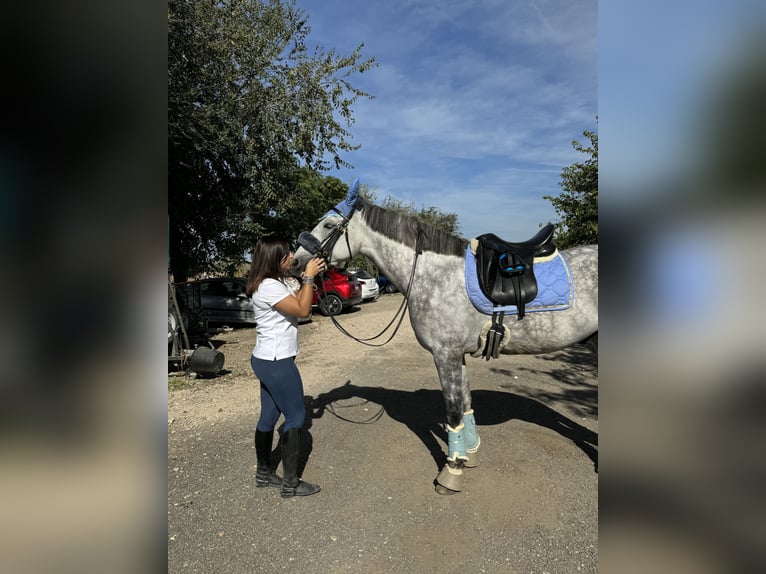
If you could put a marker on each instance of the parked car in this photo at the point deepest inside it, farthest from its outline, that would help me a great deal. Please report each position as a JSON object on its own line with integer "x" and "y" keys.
{"x": 336, "y": 290}
{"x": 370, "y": 289}
{"x": 385, "y": 285}
{"x": 224, "y": 301}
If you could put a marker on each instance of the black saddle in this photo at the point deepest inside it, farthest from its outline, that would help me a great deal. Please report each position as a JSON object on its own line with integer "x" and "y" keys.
{"x": 505, "y": 271}
{"x": 506, "y": 276}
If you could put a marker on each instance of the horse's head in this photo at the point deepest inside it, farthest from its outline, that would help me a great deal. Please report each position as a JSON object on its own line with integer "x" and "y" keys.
{"x": 328, "y": 239}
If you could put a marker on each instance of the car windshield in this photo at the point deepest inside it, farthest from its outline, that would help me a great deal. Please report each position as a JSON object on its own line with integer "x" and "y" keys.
{"x": 223, "y": 288}
{"x": 363, "y": 275}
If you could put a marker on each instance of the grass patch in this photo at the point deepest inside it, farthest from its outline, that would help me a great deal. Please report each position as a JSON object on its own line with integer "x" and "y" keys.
{"x": 180, "y": 381}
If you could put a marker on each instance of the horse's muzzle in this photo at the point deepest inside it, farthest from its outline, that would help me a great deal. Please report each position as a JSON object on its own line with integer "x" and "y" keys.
{"x": 310, "y": 243}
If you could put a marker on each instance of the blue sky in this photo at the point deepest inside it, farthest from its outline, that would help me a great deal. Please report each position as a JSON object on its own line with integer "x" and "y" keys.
{"x": 476, "y": 102}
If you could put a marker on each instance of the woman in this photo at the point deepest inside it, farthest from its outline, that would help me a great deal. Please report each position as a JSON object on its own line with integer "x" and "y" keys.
{"x": 277, "y": 308}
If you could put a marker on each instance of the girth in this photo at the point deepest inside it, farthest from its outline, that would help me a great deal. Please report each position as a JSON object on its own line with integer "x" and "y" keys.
{"x": 506, "y": 275}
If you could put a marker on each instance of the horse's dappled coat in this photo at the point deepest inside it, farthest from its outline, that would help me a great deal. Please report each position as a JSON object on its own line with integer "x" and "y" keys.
{"x": 443, "y": 319}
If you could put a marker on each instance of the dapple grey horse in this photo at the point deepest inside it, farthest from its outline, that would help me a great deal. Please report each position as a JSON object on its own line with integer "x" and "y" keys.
{"x": 428, "y": 265}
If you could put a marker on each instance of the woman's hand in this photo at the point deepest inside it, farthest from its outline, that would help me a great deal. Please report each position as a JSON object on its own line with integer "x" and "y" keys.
{"x": 300, "y": 305}
{"x": 314, "y": 267}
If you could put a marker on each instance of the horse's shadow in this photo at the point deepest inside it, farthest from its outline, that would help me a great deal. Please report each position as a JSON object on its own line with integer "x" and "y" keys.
{"x": 422, "y": 411}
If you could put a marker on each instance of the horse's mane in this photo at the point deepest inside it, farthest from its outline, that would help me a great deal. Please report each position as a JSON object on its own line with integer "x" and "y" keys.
{"x": 405, "y": 229}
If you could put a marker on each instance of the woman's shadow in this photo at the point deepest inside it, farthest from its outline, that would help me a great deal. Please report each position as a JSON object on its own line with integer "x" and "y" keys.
{"x": 422, "y": 411}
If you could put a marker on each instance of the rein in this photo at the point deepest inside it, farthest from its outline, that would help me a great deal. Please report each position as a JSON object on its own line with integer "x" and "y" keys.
{"x": 402, "y": 309}
{"x": 335, "y": 235}
{"x": 372, "y": 419}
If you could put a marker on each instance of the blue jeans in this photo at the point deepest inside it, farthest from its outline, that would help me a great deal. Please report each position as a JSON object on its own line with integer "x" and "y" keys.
{"x": 281, "y": 393}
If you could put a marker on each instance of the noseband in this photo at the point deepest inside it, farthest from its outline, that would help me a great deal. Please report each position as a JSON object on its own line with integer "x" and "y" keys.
{"x": 325, "y": 248}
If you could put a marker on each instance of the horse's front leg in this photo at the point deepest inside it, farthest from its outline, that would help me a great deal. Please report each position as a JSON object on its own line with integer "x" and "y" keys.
{"x": 452, "y": 378}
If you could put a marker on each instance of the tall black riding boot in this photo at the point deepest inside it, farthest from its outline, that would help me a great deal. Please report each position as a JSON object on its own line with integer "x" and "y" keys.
{"x": 291, "y": 484}
{"x": 264, "y": 474}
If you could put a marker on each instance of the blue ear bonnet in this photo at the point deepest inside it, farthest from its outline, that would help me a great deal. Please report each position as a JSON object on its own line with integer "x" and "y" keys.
{"x": 347, "y": 205}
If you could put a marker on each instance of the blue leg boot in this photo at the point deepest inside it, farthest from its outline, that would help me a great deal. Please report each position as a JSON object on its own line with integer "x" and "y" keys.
{"x": 472, "y": 439}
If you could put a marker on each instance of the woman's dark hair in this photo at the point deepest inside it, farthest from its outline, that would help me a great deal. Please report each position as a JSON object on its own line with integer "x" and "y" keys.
{"x": 268, "y": 255}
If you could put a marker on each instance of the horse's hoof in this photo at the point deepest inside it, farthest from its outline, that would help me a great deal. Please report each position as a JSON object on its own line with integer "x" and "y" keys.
{"x": 473, "y": 459}
{"x": 450, "y": 478}
{"x": 442, "y": 490}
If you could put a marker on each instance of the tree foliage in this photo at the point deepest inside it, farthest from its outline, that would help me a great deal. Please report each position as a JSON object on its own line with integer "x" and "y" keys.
{"x": 251, "y": 114}
{"x": 577, "y": 206}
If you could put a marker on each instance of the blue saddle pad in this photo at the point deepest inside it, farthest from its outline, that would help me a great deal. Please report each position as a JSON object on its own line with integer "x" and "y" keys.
{"x": 555, "y": 290}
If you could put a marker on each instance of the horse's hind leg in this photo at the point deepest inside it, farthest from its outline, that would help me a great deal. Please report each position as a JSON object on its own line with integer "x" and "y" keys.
{"x": 451, "y": 375}
{"x": 472, "y": 439}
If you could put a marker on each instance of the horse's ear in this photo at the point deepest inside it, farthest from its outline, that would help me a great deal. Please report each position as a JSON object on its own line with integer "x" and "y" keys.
{"x": 347, "y": 205}
{"x": 353, "y": 192}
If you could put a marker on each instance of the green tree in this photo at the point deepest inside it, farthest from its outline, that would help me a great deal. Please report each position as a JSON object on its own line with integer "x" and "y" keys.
{"x": 577, "y": 206}
{"x": 248, "y": 104}
{"x": 311, "y": 196}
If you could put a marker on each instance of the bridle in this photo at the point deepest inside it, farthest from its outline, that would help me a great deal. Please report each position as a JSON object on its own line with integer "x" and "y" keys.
{"x": 341, "y": 228}
{"x": 325, "y": 250}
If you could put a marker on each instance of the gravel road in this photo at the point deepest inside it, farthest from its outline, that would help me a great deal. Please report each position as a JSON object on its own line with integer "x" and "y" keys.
{"x": 376, "y": 441}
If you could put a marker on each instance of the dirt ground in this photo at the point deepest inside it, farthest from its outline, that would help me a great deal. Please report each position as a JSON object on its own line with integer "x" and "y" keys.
{"x": 376, "y": 442}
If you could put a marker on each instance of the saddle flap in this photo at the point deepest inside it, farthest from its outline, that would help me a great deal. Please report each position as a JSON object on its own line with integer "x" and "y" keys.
{"x": 508, "y": 283}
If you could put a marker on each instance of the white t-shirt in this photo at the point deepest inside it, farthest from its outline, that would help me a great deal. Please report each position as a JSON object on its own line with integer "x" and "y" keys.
{"x": 276, "y": 334}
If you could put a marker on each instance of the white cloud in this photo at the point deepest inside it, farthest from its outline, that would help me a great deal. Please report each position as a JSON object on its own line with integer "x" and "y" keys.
{"x": 476, "y": 102}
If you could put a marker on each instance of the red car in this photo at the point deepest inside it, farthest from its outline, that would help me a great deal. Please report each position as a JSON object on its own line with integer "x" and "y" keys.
{"x": 336, "y": 289}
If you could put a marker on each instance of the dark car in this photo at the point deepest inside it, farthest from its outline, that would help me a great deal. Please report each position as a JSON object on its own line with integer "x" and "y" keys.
{"x": 224, "y": 301}
{"x": 336, "y": 289}
{"x": 385, "y": 285}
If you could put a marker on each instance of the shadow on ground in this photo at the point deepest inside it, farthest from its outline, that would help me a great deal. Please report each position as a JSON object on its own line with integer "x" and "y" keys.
{"x": 573, "y": 380}
{"x": 422, "y": 411}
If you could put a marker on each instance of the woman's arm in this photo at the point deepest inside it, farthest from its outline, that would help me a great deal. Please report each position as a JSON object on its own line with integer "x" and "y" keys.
{"x": 300, "y": 305}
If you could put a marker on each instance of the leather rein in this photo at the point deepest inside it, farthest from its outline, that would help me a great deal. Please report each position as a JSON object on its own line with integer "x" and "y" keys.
{"x": 326, "y": 249}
